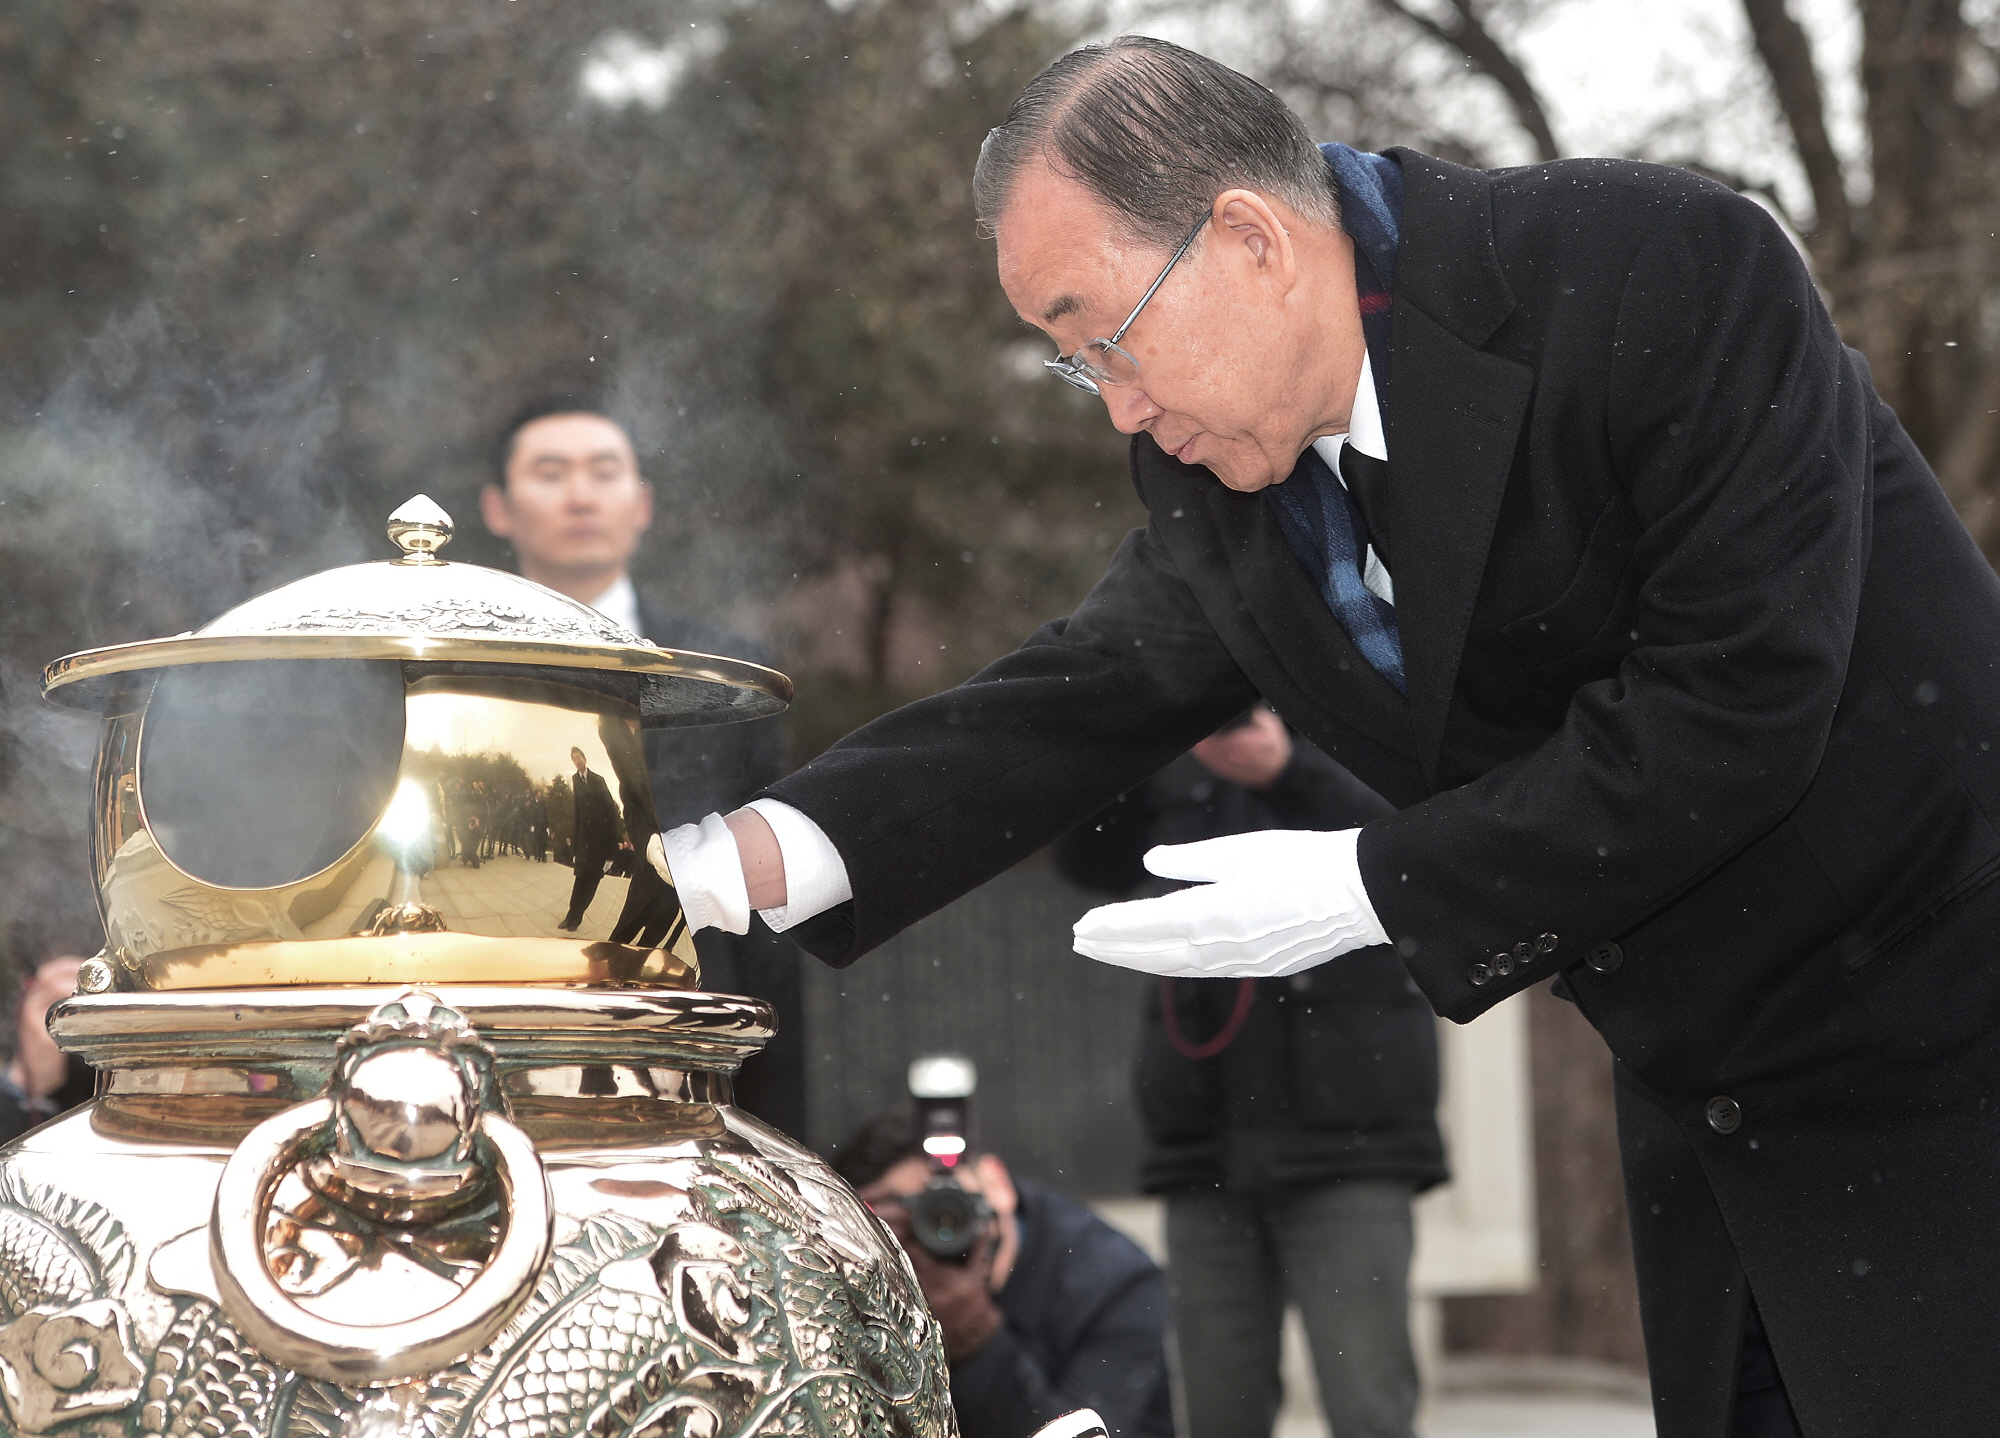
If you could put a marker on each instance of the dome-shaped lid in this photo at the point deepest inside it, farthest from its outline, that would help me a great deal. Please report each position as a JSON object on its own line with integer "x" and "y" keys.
{"x": 425, "y": 609}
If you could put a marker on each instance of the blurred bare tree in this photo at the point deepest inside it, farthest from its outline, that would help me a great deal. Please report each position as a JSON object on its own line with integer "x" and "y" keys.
{"x": 1903, "y": 235}
{"x": 1900, "y": 226}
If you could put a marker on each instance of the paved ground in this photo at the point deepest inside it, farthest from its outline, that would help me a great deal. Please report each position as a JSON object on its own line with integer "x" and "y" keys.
{"x": 512, "y": 897}
{"x": 1509, "y": 1416}
{"x": 1468, "y": 1416}
{"x": 1491, "y": 1397}
{"x": 1480, "y": 1398}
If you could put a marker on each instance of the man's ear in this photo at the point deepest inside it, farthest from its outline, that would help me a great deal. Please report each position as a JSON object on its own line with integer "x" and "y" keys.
{"x": 499, "y": 518}
{"x": 645, "y": 505}
{"x": 997, "y": 1184}
{"x": 1255, "y": 236}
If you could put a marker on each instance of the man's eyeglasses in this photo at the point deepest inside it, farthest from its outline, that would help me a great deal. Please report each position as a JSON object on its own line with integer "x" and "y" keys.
{"x": 1102, "y": 362}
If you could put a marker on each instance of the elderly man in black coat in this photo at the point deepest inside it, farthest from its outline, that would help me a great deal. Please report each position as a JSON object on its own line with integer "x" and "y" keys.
{"x": 1629, "y": 592}
{"x": 594, "y": 835}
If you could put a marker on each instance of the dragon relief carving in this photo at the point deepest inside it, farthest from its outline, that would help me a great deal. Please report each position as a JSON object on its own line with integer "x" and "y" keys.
{"x": 457, "y": 615}
{"x": 67, "y": 1359}
{"x": 729, "y": 1319}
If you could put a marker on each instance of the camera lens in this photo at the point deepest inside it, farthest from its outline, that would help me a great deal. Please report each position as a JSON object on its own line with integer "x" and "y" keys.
{"x": 948, "y": 1220}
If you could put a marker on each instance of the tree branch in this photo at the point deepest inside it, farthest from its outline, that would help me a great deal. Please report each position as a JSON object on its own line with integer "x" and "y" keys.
{"x": 1467, "y": 34}
{"x": 1786, "y": 51}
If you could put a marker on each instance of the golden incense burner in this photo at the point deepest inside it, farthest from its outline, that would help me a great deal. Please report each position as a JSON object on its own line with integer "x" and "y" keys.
{"x": 412, "y": 1121}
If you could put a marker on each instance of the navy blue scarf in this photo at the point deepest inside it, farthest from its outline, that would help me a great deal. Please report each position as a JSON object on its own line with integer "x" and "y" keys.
{"x": 1321, "y": 523}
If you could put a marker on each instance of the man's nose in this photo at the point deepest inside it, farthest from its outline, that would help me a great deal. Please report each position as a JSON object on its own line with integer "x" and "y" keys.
{"x": 1130, "y": 407}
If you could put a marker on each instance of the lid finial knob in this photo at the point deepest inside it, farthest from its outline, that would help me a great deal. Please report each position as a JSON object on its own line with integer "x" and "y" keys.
{"x": 422, "y": 528}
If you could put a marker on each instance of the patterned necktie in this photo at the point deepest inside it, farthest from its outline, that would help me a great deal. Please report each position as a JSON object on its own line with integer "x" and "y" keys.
{"x": 1324, "y": 527}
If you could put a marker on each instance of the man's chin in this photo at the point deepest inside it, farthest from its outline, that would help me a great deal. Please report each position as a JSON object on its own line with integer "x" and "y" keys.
{"x": 1246, "y": 483}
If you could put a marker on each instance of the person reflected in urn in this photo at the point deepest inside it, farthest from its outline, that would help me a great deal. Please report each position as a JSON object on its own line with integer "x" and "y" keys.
{"x": 595, "y": 837}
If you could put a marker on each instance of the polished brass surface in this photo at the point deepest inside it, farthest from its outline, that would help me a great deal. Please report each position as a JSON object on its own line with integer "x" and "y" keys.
{"x": 404, "y": 748}
{"x": 516, "y": 1200}
{"x": 444, "y": 859}
{"x": 575, "y": 1041}
{"x": 440, "y": 958}
{"x": 707, "y": 1278}
{"x": 420, "y": 528}
{"x": 423, "y": 609}
{"x": 394, "y": 1226}
{"x": 385, "y": 752}
{"x": 678, "y": 686}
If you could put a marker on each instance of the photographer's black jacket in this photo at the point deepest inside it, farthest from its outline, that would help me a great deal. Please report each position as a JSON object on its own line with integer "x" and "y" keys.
{"x": 1702, "y": 664}
{"x": 1086, "y": 1328}
{"x": 1334, "y": 1072}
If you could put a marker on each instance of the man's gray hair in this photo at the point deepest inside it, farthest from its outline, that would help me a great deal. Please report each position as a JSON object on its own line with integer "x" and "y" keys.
{"x": 1157, "y": 132}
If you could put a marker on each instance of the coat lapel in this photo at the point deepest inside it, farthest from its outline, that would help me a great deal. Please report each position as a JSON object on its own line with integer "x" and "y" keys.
{"x": 1454, "y": 419}
{"x": 1235, "y": 555}
{"x": 1293, "y": 616}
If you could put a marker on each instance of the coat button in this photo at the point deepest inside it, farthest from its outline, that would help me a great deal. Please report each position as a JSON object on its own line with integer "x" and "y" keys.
{"x": 1502, "y": 963}
{"x": 1605, "y": 958}
{"x": 1545, "y": 944}
{"x": 1724, "y": 1116}
{"x": 1524, "y": 953}
{"x": 1480, "y": 973}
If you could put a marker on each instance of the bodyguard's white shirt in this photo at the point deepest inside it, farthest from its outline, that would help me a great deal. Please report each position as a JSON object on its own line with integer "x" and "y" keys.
{"x": 816, "y": 876}
{"x": 620, "y": 603}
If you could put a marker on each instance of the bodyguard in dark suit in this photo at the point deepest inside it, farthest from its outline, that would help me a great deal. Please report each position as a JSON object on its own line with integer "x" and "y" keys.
{"x": 1685, "y": 680}
{"x": 570, "y": 498}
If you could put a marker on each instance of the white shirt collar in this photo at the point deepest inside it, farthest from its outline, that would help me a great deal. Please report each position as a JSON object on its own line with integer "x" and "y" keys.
{"x": 620, "y": 603}
{"x": 1364, "y": 425}
{"x": 1365, "y": 433}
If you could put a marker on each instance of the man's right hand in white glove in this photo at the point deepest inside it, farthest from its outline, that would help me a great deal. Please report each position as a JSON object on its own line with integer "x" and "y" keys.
{"x": 766, "y": 856}
{"x": 705, "y": 867}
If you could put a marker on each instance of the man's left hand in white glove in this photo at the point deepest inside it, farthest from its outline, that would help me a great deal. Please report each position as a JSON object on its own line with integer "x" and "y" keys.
{"x": 1266, "y": 903}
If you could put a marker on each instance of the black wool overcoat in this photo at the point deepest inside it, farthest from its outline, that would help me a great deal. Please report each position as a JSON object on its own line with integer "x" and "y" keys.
{"x": 1704, "y": 686}
{"x": 595, "y": 819}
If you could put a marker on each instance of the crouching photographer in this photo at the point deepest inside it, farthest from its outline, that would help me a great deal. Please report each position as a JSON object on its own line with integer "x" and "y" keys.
{"x": 1045, "y": 1307}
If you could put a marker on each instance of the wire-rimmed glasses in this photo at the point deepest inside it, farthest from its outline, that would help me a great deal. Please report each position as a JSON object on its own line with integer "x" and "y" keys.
{"x": 1102, "y": 362}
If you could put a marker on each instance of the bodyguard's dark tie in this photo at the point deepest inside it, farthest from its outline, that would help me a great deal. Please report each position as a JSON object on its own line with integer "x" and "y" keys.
{"x": 1326, "y": 529}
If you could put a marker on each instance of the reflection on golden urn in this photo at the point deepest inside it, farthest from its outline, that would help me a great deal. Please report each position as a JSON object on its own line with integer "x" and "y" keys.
{"x": 412, "y": 1120}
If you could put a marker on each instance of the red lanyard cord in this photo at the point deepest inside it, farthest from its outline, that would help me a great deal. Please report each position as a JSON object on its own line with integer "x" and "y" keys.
{"x": 1246, "y": 990}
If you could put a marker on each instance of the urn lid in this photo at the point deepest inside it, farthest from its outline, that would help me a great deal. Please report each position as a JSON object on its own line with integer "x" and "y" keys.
{"x": 421, "y": 608}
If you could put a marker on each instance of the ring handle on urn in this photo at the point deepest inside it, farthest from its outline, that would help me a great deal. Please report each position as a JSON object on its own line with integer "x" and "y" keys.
{"x": 433, "y": 1209}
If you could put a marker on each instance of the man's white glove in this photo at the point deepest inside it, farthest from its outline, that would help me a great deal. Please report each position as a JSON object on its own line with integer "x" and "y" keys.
{"x": 702, "y": 863}
{"x": 1269, "y": 903}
